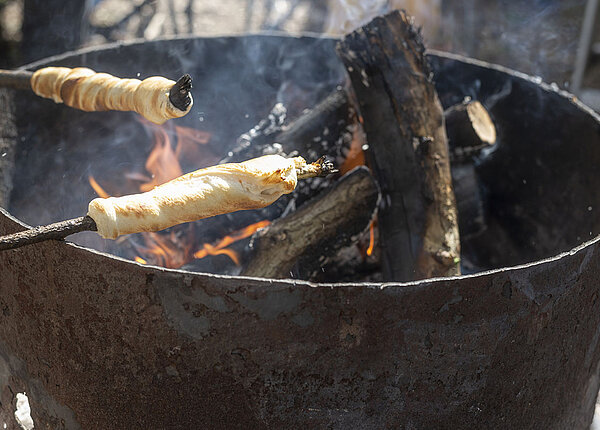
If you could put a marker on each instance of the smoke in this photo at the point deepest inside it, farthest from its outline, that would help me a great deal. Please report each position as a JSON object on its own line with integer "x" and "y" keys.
{"x": 537, "y": 37}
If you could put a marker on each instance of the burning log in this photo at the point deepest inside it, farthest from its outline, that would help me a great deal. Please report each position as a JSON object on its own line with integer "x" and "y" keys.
{"x": 469, "y": 128}
{"x": 204, "y": 193}
{"x": 156, "y": 98}
{"x": 319, "y": 228}
{"x": 317, "y": 131}
{"x": 404, "y": 123}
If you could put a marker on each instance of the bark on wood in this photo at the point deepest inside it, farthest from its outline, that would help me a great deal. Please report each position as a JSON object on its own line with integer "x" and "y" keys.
{"x": 408, "y": 151}
{"x": 304, "y": 241}
{"x": 55, "y": 231}
{"x": 18, "y": 79}
{"x": 469, "y": 128}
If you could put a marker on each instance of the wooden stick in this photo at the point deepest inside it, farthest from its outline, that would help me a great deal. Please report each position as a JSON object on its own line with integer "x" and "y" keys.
{"x": 404, "y": 123}
{"x": 60, "y": 230}
{"x": 55, "y": 231}
{"x": 179, "y": 94}
{"x": 16, "y": 79}
{"x": 307, "y": 238}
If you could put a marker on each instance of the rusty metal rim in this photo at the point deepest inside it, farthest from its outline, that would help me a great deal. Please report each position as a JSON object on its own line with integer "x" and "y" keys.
{"x": 552, "y": 88}
{"x": 291, "y": 282}
{"x": 297, "y": 282}
{"x": 141, "y": 41}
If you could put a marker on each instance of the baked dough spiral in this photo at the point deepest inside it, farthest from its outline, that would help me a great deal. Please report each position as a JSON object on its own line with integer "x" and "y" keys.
{"x": 84, "y": 89}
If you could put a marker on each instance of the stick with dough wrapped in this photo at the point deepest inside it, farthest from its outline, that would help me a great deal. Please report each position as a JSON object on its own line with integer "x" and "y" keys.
{"x": 201, "y": 194}
{"x": 156, "y": 98}
{"x": 216, "y": 190}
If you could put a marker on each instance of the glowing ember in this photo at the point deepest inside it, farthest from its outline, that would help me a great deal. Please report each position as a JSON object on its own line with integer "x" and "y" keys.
{"x": 219, "y": 248}
{"x": 97, "y": 188}
{"x": 140, "y": 260}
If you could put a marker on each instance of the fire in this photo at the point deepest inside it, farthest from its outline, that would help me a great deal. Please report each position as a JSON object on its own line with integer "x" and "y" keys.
{"x": 175, "y": 249}
{"x": 371, "y": 238}
{"x": 97, "y": 188}
{"x": 219, "y": 248}
{"x": 171, "y": 250}
{"x": 162, "y": 162}
{"x": 356, "y": 155}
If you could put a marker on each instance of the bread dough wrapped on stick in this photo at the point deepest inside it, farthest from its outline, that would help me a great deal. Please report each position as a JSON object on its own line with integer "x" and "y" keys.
{"x": 225, "y": 188}
{"x": 201, "y": 194}
{"x": 84, "y": 89}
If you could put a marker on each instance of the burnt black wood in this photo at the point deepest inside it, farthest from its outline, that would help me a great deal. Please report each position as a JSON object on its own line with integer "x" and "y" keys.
{"x": 408, "y": 151}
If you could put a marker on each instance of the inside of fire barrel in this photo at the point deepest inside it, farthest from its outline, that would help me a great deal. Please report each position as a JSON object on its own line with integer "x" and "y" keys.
{"x": 536, "y": 184}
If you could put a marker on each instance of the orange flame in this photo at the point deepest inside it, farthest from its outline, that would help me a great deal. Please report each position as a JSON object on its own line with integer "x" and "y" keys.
{"x": 162, "y": 162}
{"x": 97, "y": 188}
{"x": 192, "y": 135}
{"x": 167, "y": 250}
{"x": 174, "y": 249}
{"x": 356, "y": 155}
{"x": 371, "y": 238}
{"x": 219, "y": 248}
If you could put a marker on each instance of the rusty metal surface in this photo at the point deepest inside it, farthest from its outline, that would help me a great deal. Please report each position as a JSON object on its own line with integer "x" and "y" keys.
{"x": 120, "y": 345}
{"x": 99, "y": 342}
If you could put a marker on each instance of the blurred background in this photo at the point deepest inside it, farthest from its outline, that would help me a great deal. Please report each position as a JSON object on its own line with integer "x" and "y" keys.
{"x": 540, "y": 37}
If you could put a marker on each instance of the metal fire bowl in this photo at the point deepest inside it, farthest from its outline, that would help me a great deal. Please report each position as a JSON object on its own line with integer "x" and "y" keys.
{"x": 100, "y": 342}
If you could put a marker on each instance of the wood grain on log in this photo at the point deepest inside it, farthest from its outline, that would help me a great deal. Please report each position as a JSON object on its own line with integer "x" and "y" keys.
{"x": 304, "y": 240}
{"x": 408, "y": 151}
{"x": 469, "y": 128}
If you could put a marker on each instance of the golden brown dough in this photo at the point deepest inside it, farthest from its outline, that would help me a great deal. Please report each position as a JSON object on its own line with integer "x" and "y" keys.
{"x": 225, "y": 188}
{"x": 84, "y": 89}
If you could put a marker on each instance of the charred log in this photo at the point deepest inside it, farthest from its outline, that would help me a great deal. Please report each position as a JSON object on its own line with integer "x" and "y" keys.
{"x": 408, "y": 151}
{"x": 304, "y": 241}
{"x": 470, "y": 129}
{"x": 318, "y": 131}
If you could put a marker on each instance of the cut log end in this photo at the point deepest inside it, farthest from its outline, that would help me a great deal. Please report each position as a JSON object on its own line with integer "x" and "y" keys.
{"x": 482, "y": 123}
{"x": 470, "y": 128}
